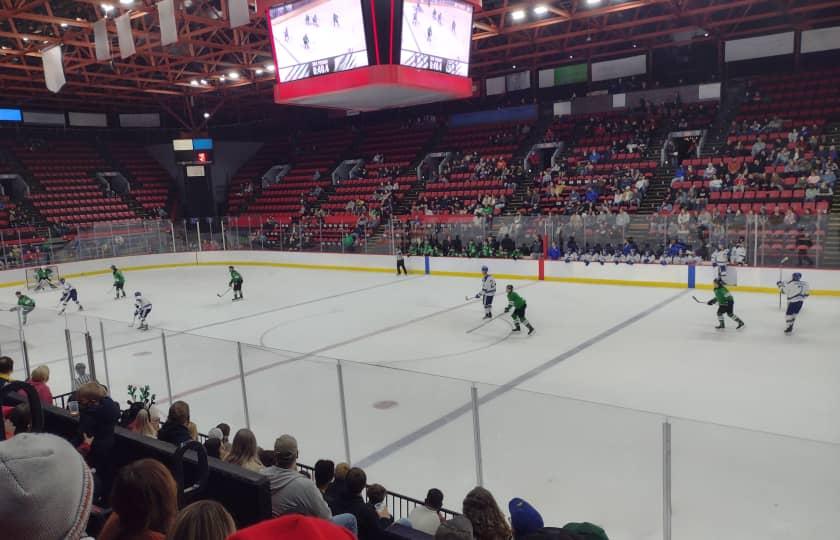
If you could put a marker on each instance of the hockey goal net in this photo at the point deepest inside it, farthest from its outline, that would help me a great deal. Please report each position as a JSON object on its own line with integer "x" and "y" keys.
{"x": 32, "y": 276}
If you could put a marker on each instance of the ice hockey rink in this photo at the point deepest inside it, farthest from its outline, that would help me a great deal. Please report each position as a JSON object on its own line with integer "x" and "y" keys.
{"x": 570, "y": 418}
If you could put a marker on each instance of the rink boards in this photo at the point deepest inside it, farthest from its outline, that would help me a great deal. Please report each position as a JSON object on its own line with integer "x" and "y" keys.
{"x": 823, "y": 282}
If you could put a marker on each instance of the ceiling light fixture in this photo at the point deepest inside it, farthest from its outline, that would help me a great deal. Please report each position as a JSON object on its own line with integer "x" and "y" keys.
{"x": 705, "y": 34}
{"x": 270, "y": 68}
{"x": 540, "y": 10}
{"x": 126, "y": 2}
{"x": 64, "y": 25}
{"x": 571, "y": 57}
{"x": 518, "y": 15}
{"x": 222, "y": 78}
{"x": 259, "y": 71}
{"x": 204, "y": 82}
{"x": 107, "y": 8}
{"x": 593, "y": 2}
{"x": 193, "y": 83}
{"x": 207, "y": 115}
{"x": 233, "y": 75}
{"x": 25, "y": 38}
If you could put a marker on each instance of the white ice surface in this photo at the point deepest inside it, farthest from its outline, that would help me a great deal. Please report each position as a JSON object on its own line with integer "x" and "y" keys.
{"x": 580, "y": 436}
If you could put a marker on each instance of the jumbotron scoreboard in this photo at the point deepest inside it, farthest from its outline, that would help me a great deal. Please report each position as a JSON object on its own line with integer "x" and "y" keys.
{"x": 334, "y": 48}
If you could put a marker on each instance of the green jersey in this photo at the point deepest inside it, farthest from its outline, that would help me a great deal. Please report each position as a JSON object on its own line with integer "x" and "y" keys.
{"x": 515, "y": 301}
{"x": 235, "y": 277}
{"x": 723, "y": 296}
{"x": 25, "y": 301}
{"x": 43, "y": 273}
{"x": 119, "y": 278}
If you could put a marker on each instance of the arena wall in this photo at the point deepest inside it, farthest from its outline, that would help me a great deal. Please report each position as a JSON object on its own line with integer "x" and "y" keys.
{"x": 823, "y": 282}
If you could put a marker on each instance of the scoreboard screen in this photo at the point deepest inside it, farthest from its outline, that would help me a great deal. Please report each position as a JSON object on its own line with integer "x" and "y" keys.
{"x": 193, "y": 151}
{"x": 317, "y": 37}
{"x": 436, "y": 35}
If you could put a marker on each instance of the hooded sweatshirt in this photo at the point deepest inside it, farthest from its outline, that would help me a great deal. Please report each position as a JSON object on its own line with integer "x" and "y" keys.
{"x": 293, "y": 493}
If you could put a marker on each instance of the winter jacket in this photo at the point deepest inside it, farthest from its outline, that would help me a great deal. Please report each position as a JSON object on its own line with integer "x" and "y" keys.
{"x": 424, "y": 519}
{"x": 293, "y": 493}
{"x": 98, "y": 421}
{"x": 551, "y": 533}
{"x": 371, "y": 526}
{"x": 176, "y": 434}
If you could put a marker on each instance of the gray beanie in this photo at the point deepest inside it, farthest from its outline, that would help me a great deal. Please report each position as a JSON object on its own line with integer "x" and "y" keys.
{"x": 47, "y": 488}
{"x": 457, "y": 528}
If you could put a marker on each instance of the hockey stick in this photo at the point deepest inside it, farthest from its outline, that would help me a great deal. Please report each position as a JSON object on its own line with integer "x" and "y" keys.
{"x": 224, "y": 293}
{"x": 482, "y": 325}
{"x": 781, "y": 264}
{"x": 698, "y": 301}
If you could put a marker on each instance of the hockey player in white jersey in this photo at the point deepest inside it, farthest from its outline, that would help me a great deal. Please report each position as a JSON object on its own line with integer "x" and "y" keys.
{"x": 69, "y": 294}
{"x": 487, "y": 292}
{"x": 720, "y": 259}
{"x": 796, "y": 291}
{"x": 738, "y": 254}
{"x": 142, "y": 308}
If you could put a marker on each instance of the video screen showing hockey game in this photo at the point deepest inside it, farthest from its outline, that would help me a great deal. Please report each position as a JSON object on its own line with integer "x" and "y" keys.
{"x": 436, "y": 35}
{"x": 317, "y": 37}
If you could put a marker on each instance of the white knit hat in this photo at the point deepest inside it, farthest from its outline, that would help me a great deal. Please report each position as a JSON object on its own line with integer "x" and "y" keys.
{"x": 47, "y": 489}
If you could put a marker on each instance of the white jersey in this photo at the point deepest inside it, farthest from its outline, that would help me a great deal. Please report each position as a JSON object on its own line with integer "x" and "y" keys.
{"x": 738, "y": 255}
{"x": 796, "y": 291}
{"x": 141, "y": 302}
{"x": 68, "y": 287}
{"x": 488, "y": 285}
{"x": 720, "y": 256}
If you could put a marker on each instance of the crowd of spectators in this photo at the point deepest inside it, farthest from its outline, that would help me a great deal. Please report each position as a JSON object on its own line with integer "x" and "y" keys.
{"x": 328, "y": 501}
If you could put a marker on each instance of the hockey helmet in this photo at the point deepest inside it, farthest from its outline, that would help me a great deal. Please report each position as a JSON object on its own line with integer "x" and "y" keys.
{"x": 113, "y": 267}
{"x": 509, "y": 288}
{"x": 484, "y": 269}
{"x": 61, "y": 280}
{"x": 719, "y": 282}
{"x": 17, "y": 293}
{"x": 797, "y": 276}
{"x": 137, "y": 293}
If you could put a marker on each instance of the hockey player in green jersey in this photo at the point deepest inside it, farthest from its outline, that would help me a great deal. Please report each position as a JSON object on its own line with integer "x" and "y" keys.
{"x": 119, "y": 282}
{"x": 44, "y": 277}
{"x": 726, "y": 305}
{"x": 518, "y": 305}
{"x": 235, "y": 283}
{"x": 24, "y": 304}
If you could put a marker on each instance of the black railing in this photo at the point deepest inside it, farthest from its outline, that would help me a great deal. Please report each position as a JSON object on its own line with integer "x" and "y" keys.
{"x": 61, "y": 400}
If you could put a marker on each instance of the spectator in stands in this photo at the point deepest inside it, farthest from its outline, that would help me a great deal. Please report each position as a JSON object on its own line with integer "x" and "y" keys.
{"x": 144, "y": 500}
{"x": 426, "y": 517}
{"x": 457, "y": 528}
{"x": 790, "y": 218}
{"x": 175, "y": 430}
{"x": 98, "y": 416}
{"x": 803, "y": 244}
{"x": 213, "y": 447}
{"x": 338, "y": 486}
{"x": 39, "y": 378}
{"x": 376, "y": 499}
{"x": 19, "y": 420}
{"x": 324, "y": 474}
{"x": 293, "y": 527}
{"x": 528, "y": 524}
{"x": 147, "y": 422}
{"x": 202, "y": 520}
{"x": 244, "y": 452}
{"x": 47, "y": 488}
{"x": 372, "y": 523}
{"x": 487, "y": 519}
{"x": 291, "y": 492}
{"x": 7, "y": 366}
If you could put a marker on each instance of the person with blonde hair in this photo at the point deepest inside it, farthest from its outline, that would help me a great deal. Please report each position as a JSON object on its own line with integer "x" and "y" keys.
{"x": 244, "y": 452}
{"x": 487, "y": 519}
{"x": 144, "y": 499}
{"x": 38, "y": 379}
{"x": 202, "y": 520}
{"x": 147, "y": 422}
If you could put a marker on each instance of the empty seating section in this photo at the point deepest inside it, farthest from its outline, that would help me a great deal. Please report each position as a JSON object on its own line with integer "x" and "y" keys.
{"x": 801, "y": 97}
{"x": 317, "y": 154}
{"x": 150, "y": 183}
{"x": 368, "y": 190}
{"x": 64, "y": 171}
{"x": 248, "y": 177}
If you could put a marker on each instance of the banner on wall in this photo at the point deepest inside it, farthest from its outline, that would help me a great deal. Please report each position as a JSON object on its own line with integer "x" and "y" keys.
{"x": 759, "y": 47}
{"x": 495, "y": 86}
{"x": 518, "y": 81}
{"x": 621, "y": 67}
{"x": 100, "y": 36}
{"x": 238, "y": 13}
{"x": 87, "y": 119}
{"x": 824, "y": 39}
{"x": 168, "y": 27}
{"x": 53, "y": 68}
{"x": 124, "y": 35}
{"x": 575, "y": 73}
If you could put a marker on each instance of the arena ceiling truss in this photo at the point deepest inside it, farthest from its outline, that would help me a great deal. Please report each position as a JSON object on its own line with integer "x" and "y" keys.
{"x": 218, "y": 66}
